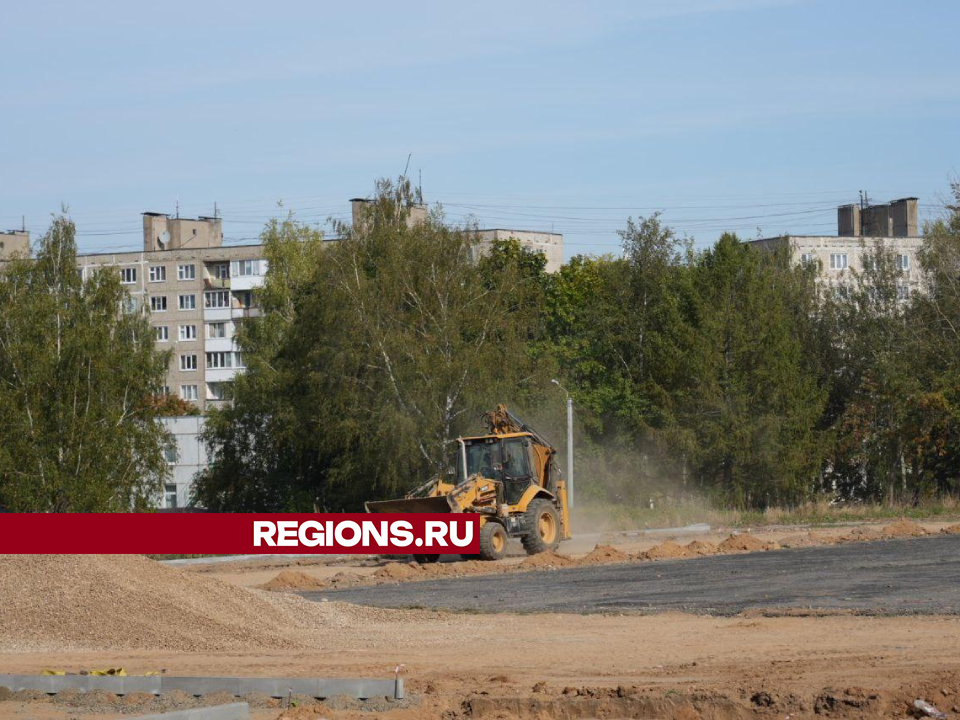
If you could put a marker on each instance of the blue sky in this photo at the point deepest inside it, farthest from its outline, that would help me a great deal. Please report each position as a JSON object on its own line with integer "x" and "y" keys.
{"x": 752, "y": 115}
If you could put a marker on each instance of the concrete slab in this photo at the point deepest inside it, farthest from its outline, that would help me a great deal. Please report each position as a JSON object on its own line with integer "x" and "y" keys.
{"x": 200, "y": 685}
{"x": 280, "y": 687}
{"x": 52, "y": 684}
{"x": 361, "y": 688}
{"x": 231, "y": 711}
{"x": 123, "y": 685}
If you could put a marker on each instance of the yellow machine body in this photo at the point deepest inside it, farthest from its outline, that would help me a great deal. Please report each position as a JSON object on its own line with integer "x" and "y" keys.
{"x": 507, "y": 476}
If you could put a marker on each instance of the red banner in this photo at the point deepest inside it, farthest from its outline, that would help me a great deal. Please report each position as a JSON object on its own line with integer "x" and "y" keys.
{"x": 229, "y": 534}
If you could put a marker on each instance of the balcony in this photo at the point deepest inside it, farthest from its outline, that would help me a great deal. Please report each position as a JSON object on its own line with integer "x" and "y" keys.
{"x": 239, "y": 313}
{"x": 221, "y": 374}
{"x": 248, "y": 282}
{"x": 213, "y": 283}
{"x": 223, "y": 344}
{"x": 216, "y": 314}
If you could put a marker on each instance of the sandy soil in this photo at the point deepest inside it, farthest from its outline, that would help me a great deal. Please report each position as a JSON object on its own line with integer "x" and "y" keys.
{"x": 508, "y": 655}
{"x": 508, "y": 665}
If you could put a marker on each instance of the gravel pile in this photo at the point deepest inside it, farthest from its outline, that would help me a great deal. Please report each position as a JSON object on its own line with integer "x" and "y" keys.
{"x": 110, "y": 602}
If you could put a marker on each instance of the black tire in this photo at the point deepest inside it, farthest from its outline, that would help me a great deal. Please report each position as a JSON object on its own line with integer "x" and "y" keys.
{"x": 542, "y": 527}
{"x": 426, "y": 559}
{"x": 493, "y": 541}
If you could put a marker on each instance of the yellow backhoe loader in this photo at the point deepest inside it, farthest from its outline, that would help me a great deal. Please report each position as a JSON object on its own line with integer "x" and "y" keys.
{"x": 509, "y": 478}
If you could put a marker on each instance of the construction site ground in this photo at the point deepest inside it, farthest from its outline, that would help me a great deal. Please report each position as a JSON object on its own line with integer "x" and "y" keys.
{"x": 803, "y": 651}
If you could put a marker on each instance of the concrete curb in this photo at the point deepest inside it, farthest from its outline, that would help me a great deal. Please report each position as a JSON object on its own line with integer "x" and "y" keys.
{"x": 361, "y": 688}
{"x": 232, "y": 711}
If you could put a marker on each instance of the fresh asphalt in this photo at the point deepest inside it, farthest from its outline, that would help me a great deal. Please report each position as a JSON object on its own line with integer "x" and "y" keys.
{"x": 910, "y": 576}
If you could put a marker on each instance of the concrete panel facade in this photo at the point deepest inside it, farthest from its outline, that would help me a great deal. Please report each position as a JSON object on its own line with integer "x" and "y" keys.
{"x": 188, "y": 297}
{"x": 15, "y": 243}
{"x": 549, "y": 244}
{"x": 838, "y": 259}
{"x": 185, "y": 459}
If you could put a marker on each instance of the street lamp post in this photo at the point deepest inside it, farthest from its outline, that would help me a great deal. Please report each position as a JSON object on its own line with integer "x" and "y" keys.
{"x": 569, "y": 442}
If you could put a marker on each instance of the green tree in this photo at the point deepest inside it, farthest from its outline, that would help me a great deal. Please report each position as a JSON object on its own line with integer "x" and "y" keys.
{"x": 873, "y": 379}
{"x": 78, "y": 378}
{"x": 262, "y": 450}
{"x": 389, "y": 343}
{"x": 749, "y": 418}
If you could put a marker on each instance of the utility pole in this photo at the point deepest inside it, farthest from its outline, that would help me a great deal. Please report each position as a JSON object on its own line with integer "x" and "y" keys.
{"x": 569, "y": 442}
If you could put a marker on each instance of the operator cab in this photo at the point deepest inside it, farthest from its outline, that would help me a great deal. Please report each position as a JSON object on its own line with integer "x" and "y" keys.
{"x": 506, "y": 460}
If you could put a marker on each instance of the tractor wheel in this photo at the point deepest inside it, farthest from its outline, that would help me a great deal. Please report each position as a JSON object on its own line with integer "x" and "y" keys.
{"x": 493, "y": 541}
{"x": 426, "y": 559}
{"x": 542, "y": 527}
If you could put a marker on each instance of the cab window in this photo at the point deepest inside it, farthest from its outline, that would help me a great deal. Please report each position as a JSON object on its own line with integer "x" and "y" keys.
{"x": 516, "y": 463}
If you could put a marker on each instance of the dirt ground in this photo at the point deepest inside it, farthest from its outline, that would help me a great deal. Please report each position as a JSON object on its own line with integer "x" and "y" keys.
{"x": 539, "y": 665}
{"x": 671, "y": 655}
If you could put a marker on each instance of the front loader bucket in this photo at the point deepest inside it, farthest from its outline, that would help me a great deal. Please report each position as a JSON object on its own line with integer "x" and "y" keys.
{"x": 411, "y": 505}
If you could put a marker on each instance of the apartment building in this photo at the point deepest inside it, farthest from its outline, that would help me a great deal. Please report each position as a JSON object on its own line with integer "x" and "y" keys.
{"x": 185, "y": 456}
{"x": 14, "y": 243}
{"x": 548, "y": 243}
{"x": 195, "y": 292}
{"x": 860, "y": 231}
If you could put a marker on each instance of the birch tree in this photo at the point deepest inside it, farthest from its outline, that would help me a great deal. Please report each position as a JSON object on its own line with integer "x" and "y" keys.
{"x": 78, "y": 381}
{"x": 399, "y": 336}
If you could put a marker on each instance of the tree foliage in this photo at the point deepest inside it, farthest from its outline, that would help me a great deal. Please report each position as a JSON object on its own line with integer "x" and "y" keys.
{"x": 372, "y": 354}
{"x": 727, "y": 371}
{"x": 78, "y": 381}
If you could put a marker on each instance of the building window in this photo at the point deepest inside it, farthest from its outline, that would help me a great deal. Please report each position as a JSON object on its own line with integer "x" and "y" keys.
{"x": 217, "y": 360}
{"x": 903, "y": 262}
{"x": 238, "y": 360}
{"x": 838, "y": 261}
{"x": 188, "y": 392}
{"x": 170, "y": 497}
{"x": 188, "y": 332}
{"x": 158, "y": 273}
{"x": 188, "y": 302}
{"x": 218, "y": 391}
{"x": 165, "y": 390}
{"x": 130, "y": 305}
{"x": 245, "y": 268}
{"x": 128, "y": 275}
{"x": 188, "y": 362}
{"x": 808, "y": 259}
{"x": 170, "y": 453}
{"x": 163, "y": 333}
{"x": 216, "y": 330}
{"x": 158, "y": 303}
{"x": 186, "y": 272}
{"x": 903, "y": 292}
{"x": 217, "y": 299}
{"x": 244, "y": 298}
